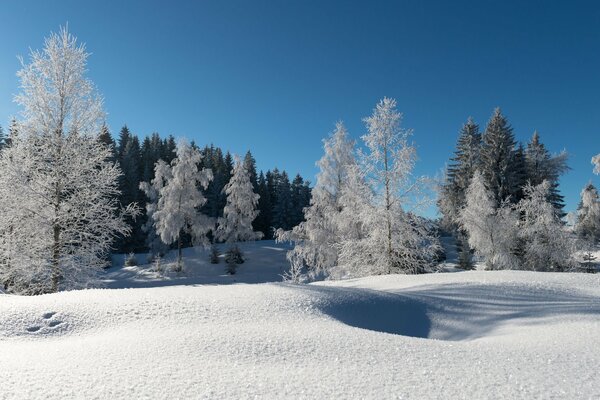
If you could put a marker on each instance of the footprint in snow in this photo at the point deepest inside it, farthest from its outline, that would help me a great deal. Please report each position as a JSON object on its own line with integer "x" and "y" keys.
{"x": 48, "y": 321}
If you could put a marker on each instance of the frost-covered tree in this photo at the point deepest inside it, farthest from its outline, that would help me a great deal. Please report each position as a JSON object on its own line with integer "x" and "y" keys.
{"x": 596, "y": 162}
{"x": 491, "y": 229}
{"x": 542, "y": 166}
{"x": 352, "y": 225}
{"x": 497, "y": 156}
{"x": 587, "y": 226}
{"x": 317, "y": 239}
{"x": 152, "y": 190}
{"x": 179, "y": 199}
{"x": 461, "y": 168}
{"x": 240, "y": 209}
{"x": 398, "y": 241}
{"x": 58, "y": 190}
{"x": 546, "y": 246}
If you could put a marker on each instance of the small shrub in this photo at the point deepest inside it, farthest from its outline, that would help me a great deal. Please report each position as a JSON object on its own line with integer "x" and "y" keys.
{"x": 214, "y": 255}
{"x": 234, "y": 256}
{"x": 231, "y": 268}
{"x": 157, "y": 264}
{"x": 130, "y": 260}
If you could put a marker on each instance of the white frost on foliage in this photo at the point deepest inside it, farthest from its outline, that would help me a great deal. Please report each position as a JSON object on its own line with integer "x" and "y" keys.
{"x": 492, "y": 230}
{"x": 179, "y": 198}
{"x": 58, "y": 208}
{"x": 546, "y": 245}
{"x": 240, "y": 208}
{"x": 596, "y": 162}
{"x": 317, "y": 239}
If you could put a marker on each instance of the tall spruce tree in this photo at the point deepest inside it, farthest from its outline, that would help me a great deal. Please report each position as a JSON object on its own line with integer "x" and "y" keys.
{"x": 250, "y": 164}
{"x": 282, "y": 209}
{"x": 542, "y": 166}
{"x": 497, "y": 155}
{"x": 262, "y": 223}
{"x": 463, "y": 164}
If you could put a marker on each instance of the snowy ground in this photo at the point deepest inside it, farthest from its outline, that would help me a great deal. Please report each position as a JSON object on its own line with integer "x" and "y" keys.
{"x": 471, "y": 335}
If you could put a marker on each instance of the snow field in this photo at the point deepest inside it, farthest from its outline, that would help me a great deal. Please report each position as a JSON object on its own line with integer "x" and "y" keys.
{"x": 504, "y": 334}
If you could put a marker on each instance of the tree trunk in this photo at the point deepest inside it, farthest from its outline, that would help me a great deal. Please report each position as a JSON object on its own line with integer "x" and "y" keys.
{"x": 56, "y": 258}
{"x": 179, "y": 257}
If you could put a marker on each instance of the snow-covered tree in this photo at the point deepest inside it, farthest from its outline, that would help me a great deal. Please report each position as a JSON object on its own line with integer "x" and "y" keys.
{"x": 546, "y": 246}
{"x": 596, "y": 162}
{"x": 398, "y": 241}
{"x": 317, "y": 239}
{"x": 152, "y": 190}
{"x": 179, "y": 199}
{"x": 587, "y": 226}
{"x": 491, "y": 229}
{"x": 542, "y": 166}
{"x": 58, "y": 191}
{"x": 462, "y": 166}
{"x": 497, "y": 156}
{"x": 240, "y": 209}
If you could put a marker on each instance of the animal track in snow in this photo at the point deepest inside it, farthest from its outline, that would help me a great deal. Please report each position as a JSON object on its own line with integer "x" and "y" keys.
{"x": 48, "y": 323}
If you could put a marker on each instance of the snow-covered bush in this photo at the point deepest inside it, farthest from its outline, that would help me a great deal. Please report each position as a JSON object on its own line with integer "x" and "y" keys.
{"x": 492, "y": 230}
{"x": 545, "y": 244}
{"x": 130, "y": 260}
{"x": 214, "y": 255}
{"x": 234, "y": 255}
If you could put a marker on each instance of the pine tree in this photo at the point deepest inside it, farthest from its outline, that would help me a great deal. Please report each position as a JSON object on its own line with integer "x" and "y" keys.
{"x": 458, "y": 177}
{"x": 250, "y": 164}
{"x": 240, "y": 210}
{"x": 282, "y": 209}
{"x": 57, "y": 188}
{"x": 13, "y": 131}
{"x": 108, "y": 141}
{"x": 130, "y": 192}
{"x": 176, "y": 212}
{"x": 3, "y": 139}
{"x": 465, "y": 160}
{"x": 300, "y": 199}
{"x": 262, "y": 223}
{"x": 542, "y": 166}
{"x": 588, "y": 215}
{"x": 497, "y": 154}
{"x": 124, "y": 136}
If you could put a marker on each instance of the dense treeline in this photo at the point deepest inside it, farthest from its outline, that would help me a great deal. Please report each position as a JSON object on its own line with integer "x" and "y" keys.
{"x": 280, "y": 204}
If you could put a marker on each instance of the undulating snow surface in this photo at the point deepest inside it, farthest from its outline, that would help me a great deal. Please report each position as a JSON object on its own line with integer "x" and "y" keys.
{"x": 470, "y": 335}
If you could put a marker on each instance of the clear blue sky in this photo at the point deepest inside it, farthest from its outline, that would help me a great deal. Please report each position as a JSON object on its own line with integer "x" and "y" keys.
{"x": 274, "y": 76}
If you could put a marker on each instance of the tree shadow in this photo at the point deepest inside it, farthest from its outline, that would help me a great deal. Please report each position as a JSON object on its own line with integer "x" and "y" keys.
{"x": 470, "y": 311}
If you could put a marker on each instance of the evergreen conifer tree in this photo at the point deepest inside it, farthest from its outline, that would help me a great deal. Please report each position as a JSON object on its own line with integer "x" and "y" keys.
{"x": 497, "y": 155}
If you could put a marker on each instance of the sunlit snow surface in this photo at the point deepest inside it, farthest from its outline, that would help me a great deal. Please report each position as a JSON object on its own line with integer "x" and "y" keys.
{"x": 471, "y": 335}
